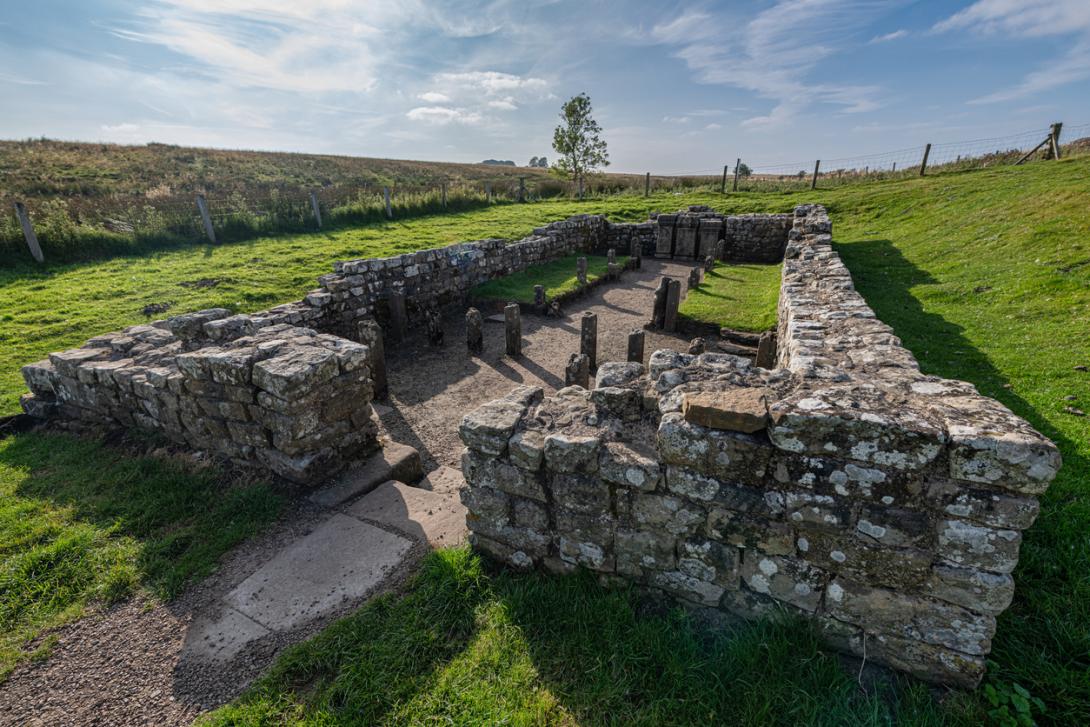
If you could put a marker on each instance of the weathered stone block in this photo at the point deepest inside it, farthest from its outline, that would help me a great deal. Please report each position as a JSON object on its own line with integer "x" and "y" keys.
{"x": 488, "y": 428}
{"x": 571, "y": 453}
{"x": 623, "y": 465}
{"x": 739, "y": 409}
{"x": 976, "y": 546}
{"x": 499, "y": 474}
{"x": 786, "y": 579}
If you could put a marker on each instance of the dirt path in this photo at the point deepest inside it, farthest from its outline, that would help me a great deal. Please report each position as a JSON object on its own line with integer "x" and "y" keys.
{"x": 432, "y": 388}
{"x": 132, "y": 664}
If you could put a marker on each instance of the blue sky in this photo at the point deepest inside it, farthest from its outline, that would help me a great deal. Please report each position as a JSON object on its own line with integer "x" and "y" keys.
{"x": 678, "y": 87}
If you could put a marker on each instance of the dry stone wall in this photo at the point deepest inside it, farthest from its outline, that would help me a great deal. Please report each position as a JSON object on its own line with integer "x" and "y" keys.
{"x": 694, "y": 235}
{"x": 844, "y": 485}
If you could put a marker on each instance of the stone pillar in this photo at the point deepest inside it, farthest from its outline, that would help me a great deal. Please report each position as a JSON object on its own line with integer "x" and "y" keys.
{"x": 588, "y": 338}
{"x": 697, "y": 346}
{"x": 613, "y": 271}
{"x": 581, "y": 270}
{"x": 694, "y": 277}
{"x": 399, "y": 321}
{"x": 766, "y": 351}
{"x": 577, "y": 372}
{"x": 513, "y": 329}
{"x": 709, "y": 263}
{"x": 611, "y": 255}
{"x": 635, "y": 251}
{"x": 369, "y": 333}
{"x": 658, "y": 316}
{"x": 433, "y": 322}
{"x": 474, "y": 332}
{"x": 673, "y": 300}
{"x": 635, "y": 345}
{"x": 721, "y": 250}
{"x": 539, "y": 299}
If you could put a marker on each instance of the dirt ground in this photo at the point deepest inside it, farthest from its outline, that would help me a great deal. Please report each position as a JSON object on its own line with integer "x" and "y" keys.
{"x": 432, "y": 388}
{"x": 127, "y": 665}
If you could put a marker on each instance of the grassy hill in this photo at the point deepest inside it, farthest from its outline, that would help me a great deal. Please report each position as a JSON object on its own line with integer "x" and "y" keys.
{"x": 985, "y": 275}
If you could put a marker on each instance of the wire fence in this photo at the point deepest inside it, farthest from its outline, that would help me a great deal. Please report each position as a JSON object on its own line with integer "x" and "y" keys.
{"x": 79, "y": 226}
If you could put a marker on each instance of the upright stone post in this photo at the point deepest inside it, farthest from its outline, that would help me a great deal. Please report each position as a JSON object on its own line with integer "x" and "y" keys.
{"x": 611, "y": 255}
{"x": 386, "y": 199}
{"x": 721, "y": 250}
{"x": 513, "y": 329}
{"x": 577, "y": 372}
{"x": 635, "y": 251}
{"x": 694, "y": 277}
{"x": 581, "y": 270}
{"x": 673, "y": 300}
{"x": 709, "y": 263}
{"x": 488, "y": 191}
{"x": 206, "y": 219}
{"x": 766, "y": 351}
{"x": 369, "y": 333}
{"x": 635, "y": 345}
{"x": 474, "y": 332}
{"x": 539, "y": 299}
{"x": 316, "y": 209}
{"x": 399, "y": 320}
{"x": 658, "y": 315}
{"x": 588, "y": 338}
{"x": 28, "y": 232}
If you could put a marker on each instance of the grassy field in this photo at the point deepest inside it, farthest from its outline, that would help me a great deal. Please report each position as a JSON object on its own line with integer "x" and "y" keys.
{"x": 742, "y": 297}
{"x": 985, "y": 276}
{"x": 82, "y": 524}
{"x": 558, "y": 277}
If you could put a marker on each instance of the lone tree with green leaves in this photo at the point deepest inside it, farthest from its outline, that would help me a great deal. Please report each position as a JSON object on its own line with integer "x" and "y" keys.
{"x": 578, "y": 142}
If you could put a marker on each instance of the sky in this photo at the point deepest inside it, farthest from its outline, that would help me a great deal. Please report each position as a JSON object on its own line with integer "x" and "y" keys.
{"x": 678, "y": 87}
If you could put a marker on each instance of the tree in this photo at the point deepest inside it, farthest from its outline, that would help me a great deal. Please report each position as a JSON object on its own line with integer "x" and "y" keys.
{"x": 744, "y": 170}
{"x": 578, "y": 142}
{"x": 543, "y": 162}
{"x": 533, "y": 162}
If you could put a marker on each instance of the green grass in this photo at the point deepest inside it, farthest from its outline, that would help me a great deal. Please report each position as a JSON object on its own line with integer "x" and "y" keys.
{"x": 742, "y": 297}
{"x": 558, "y": 277}
{"x": 467, "y": 647}
{"x": 81, "y": 524}
{"x": 985, "y": 275}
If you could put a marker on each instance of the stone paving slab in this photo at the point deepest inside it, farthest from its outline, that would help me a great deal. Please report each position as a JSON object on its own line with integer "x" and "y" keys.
{"x": 342, "y": 559}
{"x": 222, "y": 638}
{"x": 393, "y": 462}
{"x": 438, "y": 519}
{"x": 448, "y": 480}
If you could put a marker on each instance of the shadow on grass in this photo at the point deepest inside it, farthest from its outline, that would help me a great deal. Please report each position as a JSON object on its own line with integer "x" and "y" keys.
{"x": 1042, "y": 641}
{"x": 471, "y": 645}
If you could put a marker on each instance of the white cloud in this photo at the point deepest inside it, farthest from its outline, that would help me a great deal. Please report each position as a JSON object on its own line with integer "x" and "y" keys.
{"x": 774, "y": 52}
{"x": 1031, "y": 19}
{"x": 434, "y": 97}
{"x": 122, "y": 128}
{"x": 503, "y": 104}
{"x": 713, "y": 127}
{"x": 492, "y": 83}
{"x": 443, "y": 115}
{"x": 676, "y": 119}
{"x": 895, "y": 35}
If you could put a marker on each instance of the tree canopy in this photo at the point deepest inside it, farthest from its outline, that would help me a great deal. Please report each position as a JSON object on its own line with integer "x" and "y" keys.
{"x": 578, "y": 141}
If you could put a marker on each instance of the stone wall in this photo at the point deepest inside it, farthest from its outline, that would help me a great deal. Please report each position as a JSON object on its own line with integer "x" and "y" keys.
{"x": 255, "y": 390}
{"x": 693, "y": 235}
{"x": 844, "y": 485}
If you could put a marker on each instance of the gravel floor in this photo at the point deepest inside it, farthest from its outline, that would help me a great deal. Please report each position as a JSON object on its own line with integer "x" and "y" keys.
{"x": 432, "y": 388}
{"x": 128, "y": 665}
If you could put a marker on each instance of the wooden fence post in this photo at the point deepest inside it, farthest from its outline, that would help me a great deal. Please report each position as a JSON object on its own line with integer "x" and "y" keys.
{"x": 443, "y": 188}
{"x": 1054, "y": 139}
{"x": 206, "y": 219}
{"x": 386, "y": 196}
{"x": 723, "y": 184}
{"x": 923, "y": 164}
{"x": 813, "y": 180}
{"x": 317, "y": 210}
{"x": 647, "y": 185}
{"x": 737, "y": 164}
{"x": 28, "y": 232}
{"x": 522, "y": 189}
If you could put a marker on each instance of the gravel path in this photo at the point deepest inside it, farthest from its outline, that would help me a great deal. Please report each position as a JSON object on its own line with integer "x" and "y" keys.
{"x": 432, "y": 388}
{"x": 128, "y": 665}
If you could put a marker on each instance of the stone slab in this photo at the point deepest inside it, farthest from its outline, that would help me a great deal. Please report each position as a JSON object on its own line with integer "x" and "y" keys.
{"x": 445, "y": 479}
{"x": 393, "y": 462}
{"x": 223, "y": 637}
{"x": 431, "y": 517}
{"x": 739, "y": 410}
{"x": 342, "y": 560}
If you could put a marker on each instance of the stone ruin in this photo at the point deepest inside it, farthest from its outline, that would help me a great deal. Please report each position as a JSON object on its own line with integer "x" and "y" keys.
{"x": 843, "y": 484}
{"x": 696, "y": 235}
